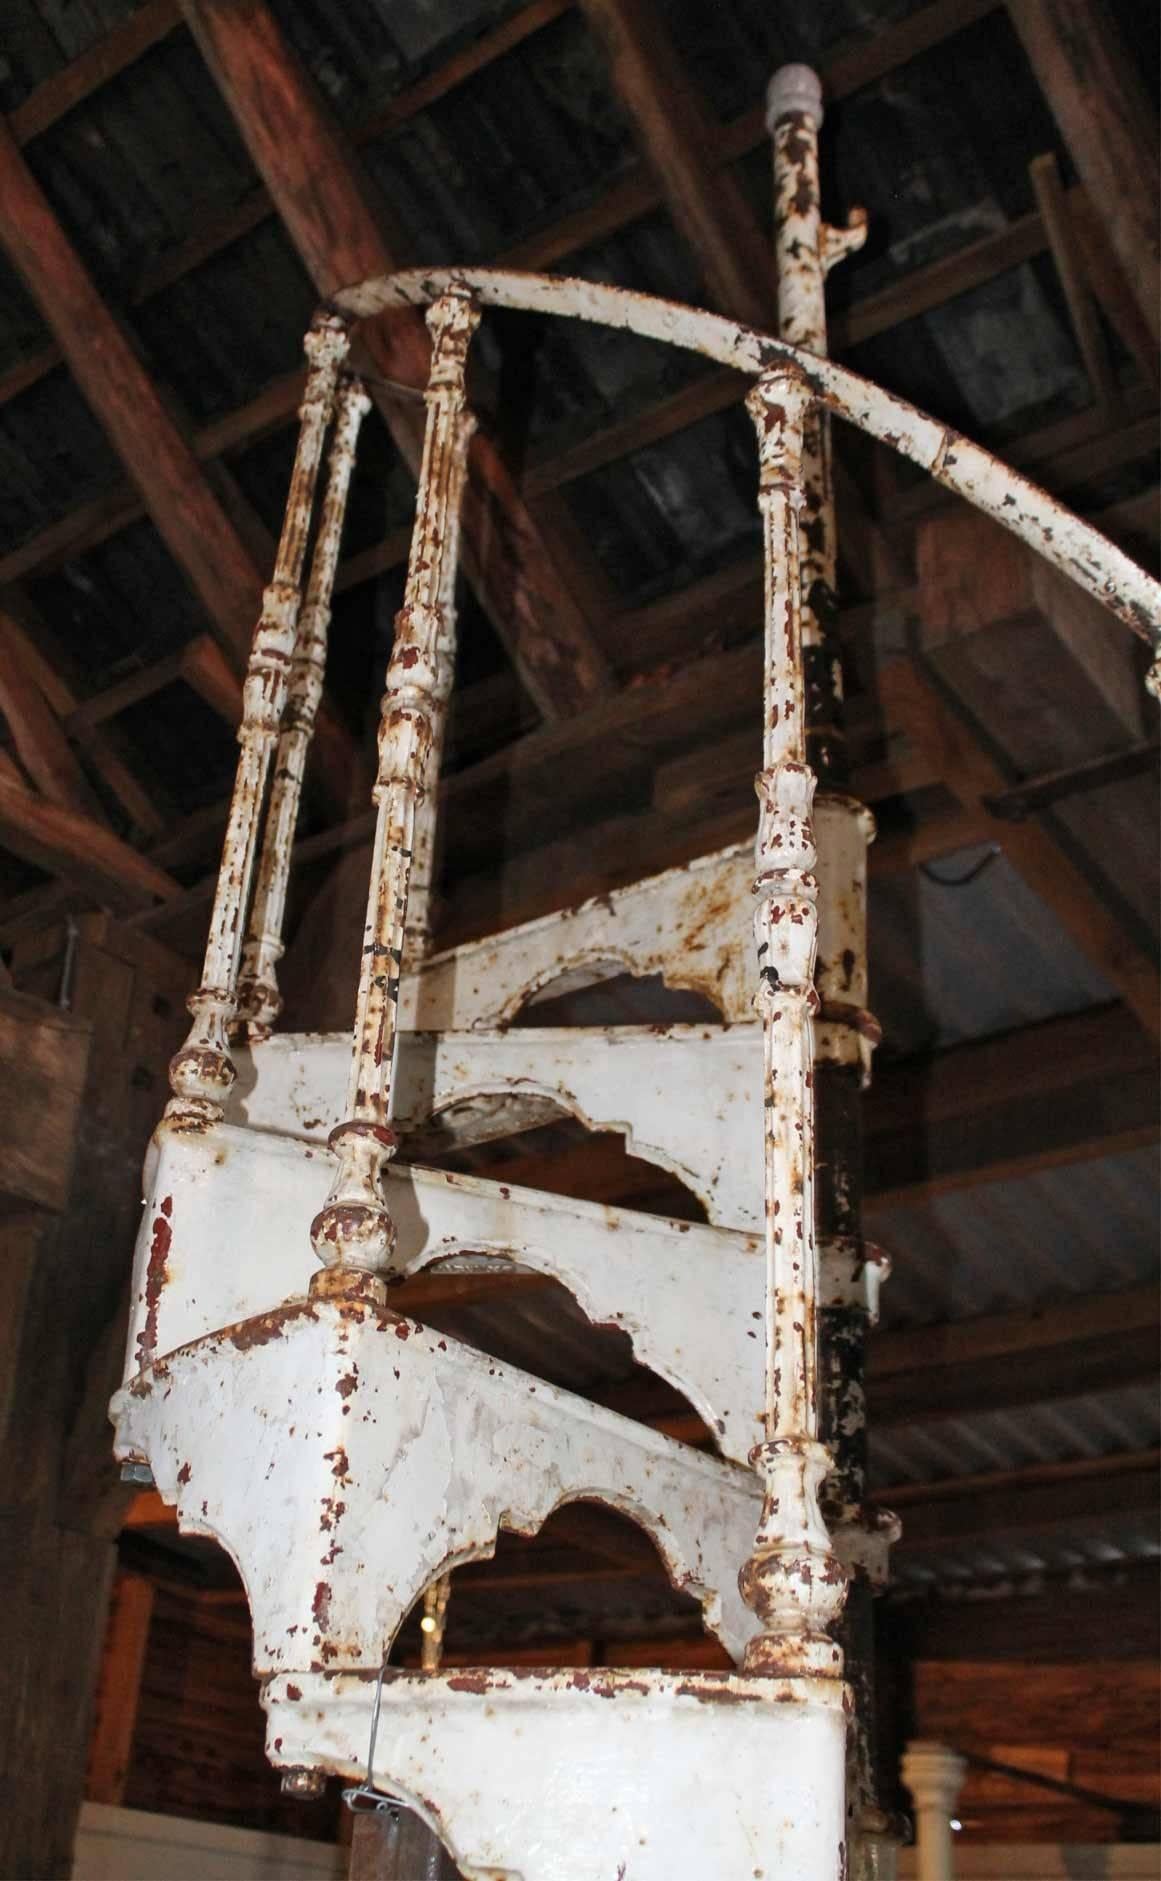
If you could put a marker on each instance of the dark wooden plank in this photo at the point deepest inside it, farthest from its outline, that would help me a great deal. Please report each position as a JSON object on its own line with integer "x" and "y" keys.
{"x": 75, "y": 847}
{"x": 327, "y": 208}
{"x": 37, "y": 735}
{"x": 110, "y": 55}
{"x": 676, "y": 137}
{"x": 195, "y": 528}
{"x": 1099, "y": 103}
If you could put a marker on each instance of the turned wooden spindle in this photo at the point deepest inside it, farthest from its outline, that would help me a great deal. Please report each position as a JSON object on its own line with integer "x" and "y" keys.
{"x": 201, "y": 1074}
{"x": 259, "y": 1000}
{"x": 354, "y": 1233}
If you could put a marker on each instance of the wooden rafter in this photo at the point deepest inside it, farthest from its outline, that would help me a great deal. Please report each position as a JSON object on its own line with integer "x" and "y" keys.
{"x": 845, "y": 70}
{"x": 30, "y": 641}
{"x": 80, "y": 850}
{"x": 914, "y": 703}
{"x": 40, "y": 743}
{"x": 1111, "y": 132}
{"x": 189, "y": 518}
{"x": 92, "y": 69}
{"x": 192, "y": 521}
{"x": 324, "y": 202}
{"x": 675, "y": 136}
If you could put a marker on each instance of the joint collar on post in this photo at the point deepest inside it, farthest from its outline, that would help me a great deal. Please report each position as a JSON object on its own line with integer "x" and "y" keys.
{"x": 793, "y": 89}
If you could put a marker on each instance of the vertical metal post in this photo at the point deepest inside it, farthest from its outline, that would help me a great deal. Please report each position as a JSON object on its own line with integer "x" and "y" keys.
{"x": 417, "y": 934}
{"x": 806, "y": 248}
{"x": 201, "y": 1074}
{"x": 793, "y": 1580}
{"x": 354, "y": 1232}
{"x": 259, "y": 1000}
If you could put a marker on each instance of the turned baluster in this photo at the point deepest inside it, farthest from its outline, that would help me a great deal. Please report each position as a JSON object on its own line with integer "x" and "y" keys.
{"x": 806, "y": 249}
{"x": 259, "y": 1000}
{"x": 417, "y": 934}
{"x": 202, "y": 1072}
{"x": 354, "y": 1233}
{"x": 793, "y": 1580}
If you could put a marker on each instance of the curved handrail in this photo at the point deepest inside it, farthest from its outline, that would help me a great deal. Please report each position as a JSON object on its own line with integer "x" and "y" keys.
{"x": 1081, "y": 552}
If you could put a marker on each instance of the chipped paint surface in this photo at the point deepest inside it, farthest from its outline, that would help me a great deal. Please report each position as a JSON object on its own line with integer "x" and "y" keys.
{"x": 259, "y": 1001}
{"x": 1084, "y": 555}
{"x": 689, "y": 1297}
{"x": 339, "y": 1506}
{"x": 618, "y": 1755}
{"x": 345, "y": 1455}
{"x": 202, "y": 1072}
{"x": 354, "y": 1228}
{"x": 690, "y": 924}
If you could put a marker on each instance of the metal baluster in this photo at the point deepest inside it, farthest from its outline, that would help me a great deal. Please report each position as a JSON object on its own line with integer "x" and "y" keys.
{"x": 793, "y": 1580}
{"x": 201, "y": 1074}
{"x": 259, "y": 1000}
{"x": 354, "y": 1232}
{"x": 417, "y": 935}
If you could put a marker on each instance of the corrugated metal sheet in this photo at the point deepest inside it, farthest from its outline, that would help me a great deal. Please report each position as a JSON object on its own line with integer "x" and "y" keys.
{"x": 1127, "y": 1539}
{"x": 997, "y": 1246}
{"x": 1092, "y": 1426}
{"x": 957, "y": 954}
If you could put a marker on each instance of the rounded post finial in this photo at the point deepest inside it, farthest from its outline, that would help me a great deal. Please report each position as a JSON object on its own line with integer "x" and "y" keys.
{"x": 793, "y": 88}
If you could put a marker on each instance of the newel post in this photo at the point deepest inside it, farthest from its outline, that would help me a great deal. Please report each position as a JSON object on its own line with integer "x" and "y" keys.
{"x": 354, "y": 1232}
{"x": 203, "y": 1071}
{"x": 793, "y": 1580}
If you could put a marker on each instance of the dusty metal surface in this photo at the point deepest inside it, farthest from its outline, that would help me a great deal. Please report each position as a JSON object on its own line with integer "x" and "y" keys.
{"x": 202, "y": 1072}
{"x": 588, "y": 1775}
{"x": 259, "y": 1001}
{"x": 354, "y": 1229}
{"x": 1087, "y": 557}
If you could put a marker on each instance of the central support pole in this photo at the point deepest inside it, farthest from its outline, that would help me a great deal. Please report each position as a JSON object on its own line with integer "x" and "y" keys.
{"x": 793, "y": 1580}
{"x": 354, "y": 1232}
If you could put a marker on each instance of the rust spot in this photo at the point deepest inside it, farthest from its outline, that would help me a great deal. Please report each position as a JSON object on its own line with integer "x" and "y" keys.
{"x": 320, "y": 1606}
{"x": 293, "y": 1693}
{"x": 183, "y": 1474}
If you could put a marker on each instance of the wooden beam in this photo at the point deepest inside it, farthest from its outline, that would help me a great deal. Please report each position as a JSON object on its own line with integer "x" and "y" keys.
{"x": 108, "y": 56}
{"x": 83, "y": 852}
{"x": 913, "y": 703}
{"x": 119, "y": 1689}
{"x": 325, "y": 203}
{"x": 1108, "y": 126}
{"x": 1097, "y": 1342}
{"x": 36, "y": 732}
{"x": 188, "y": 516}
{"x": 1050, "y": 199}
{"x": 1070, "y": 1088}
{"x": 45, "y": 662}
{"x": 1049, "y": 1500}
{"x": 675, "y": 137}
